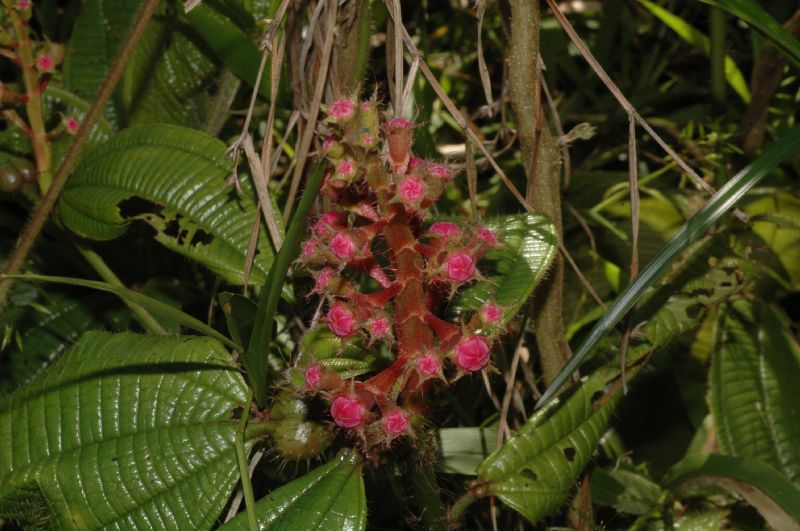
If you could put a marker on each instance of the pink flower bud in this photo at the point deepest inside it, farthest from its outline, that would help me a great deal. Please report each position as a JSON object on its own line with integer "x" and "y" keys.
{"x": 309, "y": 248}
{"x": 398, "y": 123}
{"x": 341, "y": 246}
{"x": 346, "y": 169}
{"x": 414, "y": 163}
{"x": 440, "y": 170}
{"x": 487, "y": 236}
{"x": 323, "y": 279}
{"x": 445, "y": 228}
{"x": 22, "y": 5}
{"x": 460, "y": 267}
{"x": 429, "y": 365}
{"x": 411, "y": 190}
{"x": 491, "y": 313}
{"x": 72, "y": 125}
{"x": 312, "y": 376}
{"x": 341, "y": 109}
{"x": 341, "y": 320}
{"x": 326, "y": 221}
{"x": 45, "y": 63}
{"x": 472, "y": 354}
{"x": 395, "y": 422}
{"x": 346, "y": 411}
{"x": 379, "y": 326}
{"x": 367, "y": 139}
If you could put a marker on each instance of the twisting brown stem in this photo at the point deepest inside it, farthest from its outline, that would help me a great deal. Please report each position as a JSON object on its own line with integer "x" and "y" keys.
{"x": 47, "y": 202}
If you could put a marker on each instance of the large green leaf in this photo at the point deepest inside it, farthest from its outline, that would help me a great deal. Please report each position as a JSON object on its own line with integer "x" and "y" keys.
{"x": 755, "y": 369}
{"x": 529, "y": 243}
{"x": 534, "y": 471}
{"x": 722, "y": 202}
{"x": 769, "y": 492}
{"x": 96, "y": 38}
{"x": 173, "y": 179}
{"x": 329, "y": 497}
{"x": 127, "y": 431}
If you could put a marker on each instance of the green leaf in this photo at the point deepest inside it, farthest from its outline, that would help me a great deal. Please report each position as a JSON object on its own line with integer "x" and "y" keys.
{"x": 255, "y": 358}
{"x": 514, "y": 268}
{"x": 776, "y": 219}
{"x": 127, "y": 431}
{"x": 627, "y": 491}
{"x": 169, "y": 78}
{"x": 230, "y": 44}
{"x": 752, "y": 13}
{"x": 755, "y": 369}
{"x": 769, "y": 492}
{"x": 96, "y": 38}
{"x": 150, "y": 304}
{"x": 173, "y": 179}
{"x": 329, "y": 497}
{"x": 464, "y": 449}
{"x": 722, "y": 202}
{"x": 699, "y": 40}
{"x": 534, "y": 472}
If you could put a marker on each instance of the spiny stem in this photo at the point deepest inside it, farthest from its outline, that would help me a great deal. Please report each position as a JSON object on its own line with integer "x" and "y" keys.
{"x": 45, "y": 206}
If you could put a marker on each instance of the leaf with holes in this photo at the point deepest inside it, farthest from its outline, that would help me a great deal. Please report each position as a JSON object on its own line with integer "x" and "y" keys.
{"x": 329, "y": 497}
{"x": 173, "y": 179}
{"x": 755, "y": 368}
{"x": 127, "y": 431}
{"x": 534, "y": 472}
{"x": 528, "y": 243}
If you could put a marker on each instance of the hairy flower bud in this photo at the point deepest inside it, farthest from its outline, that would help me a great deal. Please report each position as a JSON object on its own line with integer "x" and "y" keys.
{"x": 411, "y": 190}
{"x": 379, "y": 326}
{"x": 312, "y": 376}
{"x": 309, "y": 247}
{"x": 347, "y": 412}
{"x": 460, "y": 267}
{"x": 491, "y": 313}
{"x": 395, "y": 423}
{"x": 487, "y": 236}
{"x": 445, "y": 228}
{"x": 341, "y": 110}
{"x": 341, "y": 320}
{"x": 342, "y": 246}
{"x": 429, "y": 365}
{"x": 472, "y": 354}
{"x": 45, "y": 63}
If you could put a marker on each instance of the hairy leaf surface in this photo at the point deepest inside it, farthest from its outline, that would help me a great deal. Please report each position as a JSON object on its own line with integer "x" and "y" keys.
{"x": 173, "y": 179}
{"x": 127, "y": 431}
{"x": 329, "y": 497}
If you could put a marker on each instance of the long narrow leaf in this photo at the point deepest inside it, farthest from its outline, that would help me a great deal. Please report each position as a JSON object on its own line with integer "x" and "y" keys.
{"x": 752, "y": 13}
{"x": 255, "y": 358}
{"x": 148, "y": 303}
{"x": 723, "y": 201}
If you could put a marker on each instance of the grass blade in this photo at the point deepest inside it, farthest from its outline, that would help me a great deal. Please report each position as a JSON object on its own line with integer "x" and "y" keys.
{"x": 723, "y": 201}
{"x": 148, "y": 303}
{"x": 255, "y": 358}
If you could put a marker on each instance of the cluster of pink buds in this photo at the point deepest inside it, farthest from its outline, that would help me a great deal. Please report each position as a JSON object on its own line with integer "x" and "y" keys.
{"x": 378, "y": 231}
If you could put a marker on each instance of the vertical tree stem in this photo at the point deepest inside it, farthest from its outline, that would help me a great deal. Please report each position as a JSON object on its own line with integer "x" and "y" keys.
{"x": 542, "y": 162}
{"x": 45, "y": 206}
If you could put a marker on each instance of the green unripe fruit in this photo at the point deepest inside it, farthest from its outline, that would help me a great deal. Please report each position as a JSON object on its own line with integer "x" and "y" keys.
{"x": 295, "y": 435}
{"x": 10, "y": 179}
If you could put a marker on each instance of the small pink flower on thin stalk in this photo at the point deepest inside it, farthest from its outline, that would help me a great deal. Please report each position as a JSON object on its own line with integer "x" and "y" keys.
{"x": 347, "y": 412}
{"x": 341, "y": 109}
{"x": 341, "y": 320}
{"x": 342, "y": 246}
{"x": 411, "y": 190}
{"x": 472, "y": 354}
{"x": 312, "y": 376}
{"x": 445, "y": 228}
{"x": 72, "y": 125}
{"x": 45, "y": 63}
{"x": 487, "y": 236}
{"x": 441, "y": 171}
{"x": 309, "y": 248}
{"x": 395, "y": 423}
{"x": 429, "y": 365}
{"x": 378, "y": 326}
{"x": 460, "y": 267}
{"x": 491, "y": 313}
